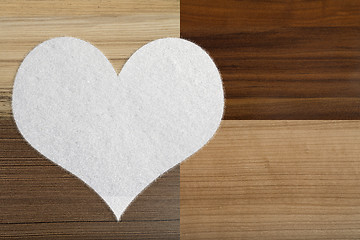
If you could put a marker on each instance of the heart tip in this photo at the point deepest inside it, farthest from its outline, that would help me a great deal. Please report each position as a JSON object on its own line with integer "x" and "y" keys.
{"x": 117, "y": 205}
{"x": 118, "y": 217}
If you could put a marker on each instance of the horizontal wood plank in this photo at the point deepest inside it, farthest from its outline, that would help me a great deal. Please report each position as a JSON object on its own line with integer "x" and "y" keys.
{"x": 273, "y": 51}
{"x": 91, "y": 230}
{"x": 73, "y": 8}
{"x": 274, "y": 180}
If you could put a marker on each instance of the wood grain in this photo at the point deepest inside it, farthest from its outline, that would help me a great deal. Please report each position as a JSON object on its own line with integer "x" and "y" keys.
{"x": 39, "y": 200}
{"x": 274, "y": 180}
{"x": 281, "y": 59}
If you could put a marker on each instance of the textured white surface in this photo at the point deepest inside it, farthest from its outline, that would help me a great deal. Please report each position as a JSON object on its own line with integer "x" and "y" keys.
{"x": 117, "y": 133}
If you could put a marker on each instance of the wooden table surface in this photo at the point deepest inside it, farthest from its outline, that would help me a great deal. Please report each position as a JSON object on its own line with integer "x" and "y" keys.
{"x": 295, "y": 64}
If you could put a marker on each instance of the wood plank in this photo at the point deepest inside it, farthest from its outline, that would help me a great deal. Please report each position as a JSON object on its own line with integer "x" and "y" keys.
{"x": 90, "y": 230}
{"x": 117, "y": 37}
{"x": 39, "y": 200}
{"x": 273, "y": 51}
{"x": 274, "y": 180}
{"x": 298, "y": 108}
{"x": 73, "y": 8}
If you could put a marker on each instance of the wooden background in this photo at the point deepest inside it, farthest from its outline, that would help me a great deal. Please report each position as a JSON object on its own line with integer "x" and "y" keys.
{"x": 277, "y": 179}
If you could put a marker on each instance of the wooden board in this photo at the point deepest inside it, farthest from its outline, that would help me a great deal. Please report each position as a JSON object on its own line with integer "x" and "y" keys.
{"x": 281, "y": 59}
{"x": 39, "y": 200}
{"x": 274, "y": 180}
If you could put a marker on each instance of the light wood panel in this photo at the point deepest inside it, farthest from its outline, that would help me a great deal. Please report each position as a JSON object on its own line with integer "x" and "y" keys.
{"x": 39, "y": 200}
{"x": 74, "y": 8}
{"x": 117, "y": 28}
{"x": 274, "y": 180}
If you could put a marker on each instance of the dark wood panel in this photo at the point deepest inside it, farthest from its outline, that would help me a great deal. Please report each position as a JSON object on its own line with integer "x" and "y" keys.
{"x": 40, "y": 200}
{"x": 281, "y": 59}
{"x": 295, "y": 108}
{"x": 91, "y": 230}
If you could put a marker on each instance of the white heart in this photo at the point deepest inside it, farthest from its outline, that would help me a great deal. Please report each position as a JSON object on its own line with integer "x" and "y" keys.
{"x": 117, "y": 133}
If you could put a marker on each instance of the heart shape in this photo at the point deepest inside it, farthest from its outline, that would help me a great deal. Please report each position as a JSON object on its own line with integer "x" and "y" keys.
{"x": 117, "y": 133}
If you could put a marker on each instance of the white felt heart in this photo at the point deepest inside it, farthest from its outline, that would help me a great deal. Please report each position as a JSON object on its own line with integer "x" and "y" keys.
{"x": 117, "y": 133}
